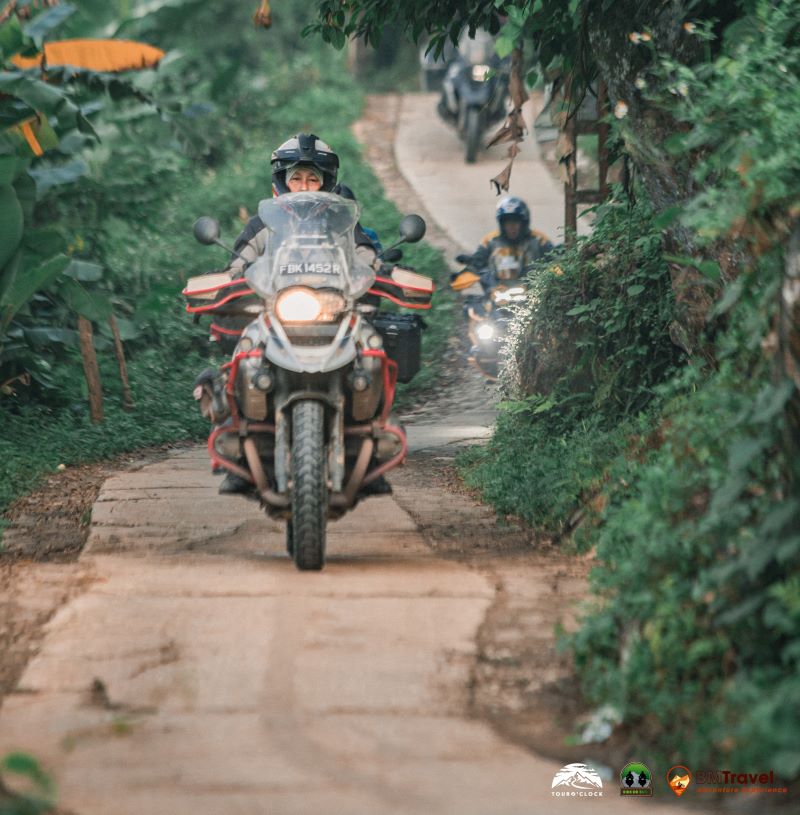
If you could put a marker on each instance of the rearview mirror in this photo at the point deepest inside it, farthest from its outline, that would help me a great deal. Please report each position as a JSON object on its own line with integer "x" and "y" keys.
{"x": 206, "y": 230}
{"x": 412, "y": 228}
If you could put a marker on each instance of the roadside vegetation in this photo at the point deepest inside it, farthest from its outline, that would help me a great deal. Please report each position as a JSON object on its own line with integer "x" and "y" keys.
{"x": 129, "y": 161}
{"x": 652, "y": 412}
{"x": 676, "y": 469}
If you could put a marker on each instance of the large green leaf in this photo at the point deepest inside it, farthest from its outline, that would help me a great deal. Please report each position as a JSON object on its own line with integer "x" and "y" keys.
{"x": 44, "y": 23}
{"x": 24, "y": 286}
{"x": 8, "y": 275}
{"x": 10, "y": 167}
{"x": 11, "y": 224}
{"x": 93, "y": 305}
{"x": 12, "y": 38}
{"x": 25, "y": 187}
{"x": 41, "y": 244}
{"x": 84, "y": 271}
{"x": 43, "y": 97}
{"x": 40, "y": 336}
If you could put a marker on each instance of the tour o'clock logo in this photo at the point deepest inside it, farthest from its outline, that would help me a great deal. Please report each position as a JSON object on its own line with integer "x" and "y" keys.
{"x": 635, "y": 779}
{"x": 577, "y": 781}
{"x": 679, "y": 778}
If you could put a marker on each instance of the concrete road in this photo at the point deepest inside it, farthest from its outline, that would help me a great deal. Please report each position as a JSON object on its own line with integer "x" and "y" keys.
{"x": 201, "y": 674}
{"x": 431, "y": 157}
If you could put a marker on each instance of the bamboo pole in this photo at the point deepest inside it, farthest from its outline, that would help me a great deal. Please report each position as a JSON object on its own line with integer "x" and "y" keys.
{"x": 90, "y": 369}
{"x": 127, "y": 398}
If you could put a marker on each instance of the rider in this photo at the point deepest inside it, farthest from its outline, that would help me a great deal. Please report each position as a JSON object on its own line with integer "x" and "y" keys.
{"x": 504, "y": 253}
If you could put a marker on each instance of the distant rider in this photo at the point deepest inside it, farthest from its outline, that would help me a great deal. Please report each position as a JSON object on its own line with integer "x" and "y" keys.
{"x": 504, "y": 253}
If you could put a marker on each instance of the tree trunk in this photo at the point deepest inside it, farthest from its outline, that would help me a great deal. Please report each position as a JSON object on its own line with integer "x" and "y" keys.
{"x": 90, "y": 370}
{"x": 667, "y": 182}
{"x": 127, "y": 398}
{"x": 789, "y": 339}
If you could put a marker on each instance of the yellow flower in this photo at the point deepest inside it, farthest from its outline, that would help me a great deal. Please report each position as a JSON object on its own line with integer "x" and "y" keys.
{"x": 620, "y": 109}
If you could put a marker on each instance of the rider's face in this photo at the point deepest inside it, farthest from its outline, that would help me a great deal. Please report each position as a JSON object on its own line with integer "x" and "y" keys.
{"x": 304, "y": 179}
{"x": 512, "y": 228}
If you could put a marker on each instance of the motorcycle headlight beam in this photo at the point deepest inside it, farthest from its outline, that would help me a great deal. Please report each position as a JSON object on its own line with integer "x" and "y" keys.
{"x": 485, "y": 331}
{"x": 302, "y": 305}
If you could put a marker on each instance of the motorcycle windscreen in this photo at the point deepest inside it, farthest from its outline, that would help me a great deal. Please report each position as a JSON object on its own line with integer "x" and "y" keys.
{"x": 310, "y": 243}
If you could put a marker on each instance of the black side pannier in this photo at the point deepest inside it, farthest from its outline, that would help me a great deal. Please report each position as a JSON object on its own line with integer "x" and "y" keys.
{"x": 402, "y": 341}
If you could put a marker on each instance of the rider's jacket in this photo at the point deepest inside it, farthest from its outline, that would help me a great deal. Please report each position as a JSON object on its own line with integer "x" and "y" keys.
{"x": 497, "y": 259}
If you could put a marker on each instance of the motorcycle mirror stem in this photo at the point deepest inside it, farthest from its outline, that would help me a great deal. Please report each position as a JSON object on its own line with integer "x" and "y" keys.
{"x": 206, "y": 231}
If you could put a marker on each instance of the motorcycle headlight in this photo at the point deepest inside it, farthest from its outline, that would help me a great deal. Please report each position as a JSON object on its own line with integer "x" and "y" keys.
{"x": 301, "y": 305}
{"x": 480, "y": 72}
{"x": 485, "y": 331}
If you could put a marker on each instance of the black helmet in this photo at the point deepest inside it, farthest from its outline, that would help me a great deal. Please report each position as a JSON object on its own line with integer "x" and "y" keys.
{"x": 304, "y": 148}
{"x": 513, "y": 207}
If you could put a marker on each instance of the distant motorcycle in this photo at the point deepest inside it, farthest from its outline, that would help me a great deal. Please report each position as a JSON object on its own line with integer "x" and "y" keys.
{"x": 474, "y": 90}
{"x": 488, "y": 312}
{"x": 302, "y": 411}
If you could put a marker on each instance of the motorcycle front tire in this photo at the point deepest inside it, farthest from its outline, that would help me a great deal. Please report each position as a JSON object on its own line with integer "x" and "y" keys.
{"x": 473, "y": 127}
{"x": 309, "y": 485}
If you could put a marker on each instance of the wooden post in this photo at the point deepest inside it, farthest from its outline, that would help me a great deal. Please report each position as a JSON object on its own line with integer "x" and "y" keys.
{"x": 127, "y": 398}
{"x": 90, "y": 369}
{"x": 602, "y": 140}
{"x": 571, "y": 184}
{"x": 574, "y": 127}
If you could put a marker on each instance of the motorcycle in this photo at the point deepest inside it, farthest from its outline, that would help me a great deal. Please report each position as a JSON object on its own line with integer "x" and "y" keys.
{"x": 474, "y": 90}
{"x": 302, "y": 411}
{"x": 488, "y": 311}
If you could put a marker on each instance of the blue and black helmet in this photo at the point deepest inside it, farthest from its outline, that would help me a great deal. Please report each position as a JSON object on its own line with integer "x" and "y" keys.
{"x": 513, "y": 207}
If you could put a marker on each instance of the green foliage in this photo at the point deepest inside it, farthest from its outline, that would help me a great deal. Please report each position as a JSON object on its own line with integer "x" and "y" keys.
{"x": 738, "y": 113}
{"x": 37, "y": 439}
{"x": 693, "y": 632}
{"x": 705, "y": 649}
{"x": 700, "y": 555}
{"x": 593, "y": 337}
{"x": 530, "y": 472}
{"x": 38, "y": 799}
